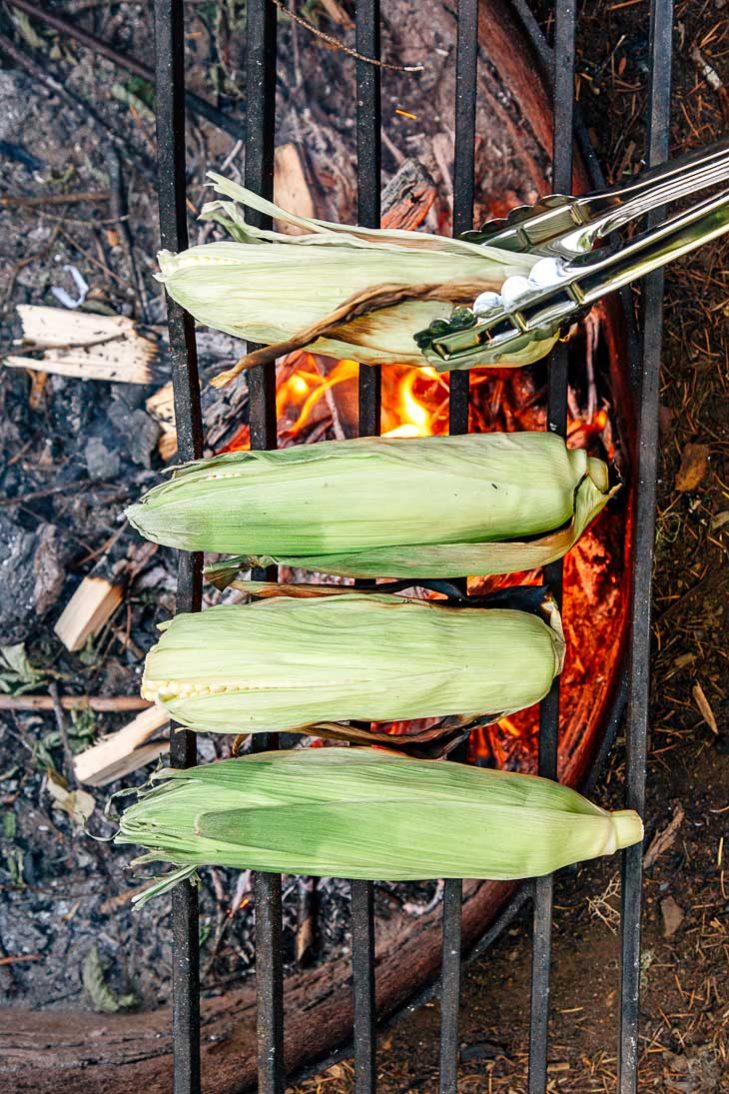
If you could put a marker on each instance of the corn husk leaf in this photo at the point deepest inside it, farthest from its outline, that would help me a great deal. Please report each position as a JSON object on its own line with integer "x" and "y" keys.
{"x": 430, "y": 507}
{"x": 295, "y": 665}
{"x": 366, "y": 813}
{"x": 268, "y": 287}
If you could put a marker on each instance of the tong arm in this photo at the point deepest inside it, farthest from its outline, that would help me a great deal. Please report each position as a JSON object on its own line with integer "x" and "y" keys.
{"x": 539, "y": 313}
{"x": 567, "y": 226}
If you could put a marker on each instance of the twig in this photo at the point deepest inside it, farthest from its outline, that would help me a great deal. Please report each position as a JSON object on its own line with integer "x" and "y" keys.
{"x": 36, "y": 495}
{"x": 123, "y": 281}
{"x": 31, "y": 202}
{"x": 119, "y": 210}
{"x": 63, "y": 732}
{"x": 113, "y": 704}
{"x": 336, "y": 44}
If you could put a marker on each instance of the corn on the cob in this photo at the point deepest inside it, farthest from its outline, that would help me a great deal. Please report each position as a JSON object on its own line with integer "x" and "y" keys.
{"x": 268, "y": 287}
{"x": 429, "y": 508}
{"x": 290, "y": 664}
{"x": 365, "y": 813}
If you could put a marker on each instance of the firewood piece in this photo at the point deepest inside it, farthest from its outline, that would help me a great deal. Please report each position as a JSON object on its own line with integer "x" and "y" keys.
{"x": 124, "y": 751}
{"x": 94, "y": 602}
{"x": 291, "y": 189}
{"x": 161, "y": 406}
{"x": 305, "y": 940}
{"x": 85, "y": 346}
{"x": 407, "y": 198}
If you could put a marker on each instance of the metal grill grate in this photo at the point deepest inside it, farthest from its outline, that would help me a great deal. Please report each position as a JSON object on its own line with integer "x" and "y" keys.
{"x": 261, "y": 80}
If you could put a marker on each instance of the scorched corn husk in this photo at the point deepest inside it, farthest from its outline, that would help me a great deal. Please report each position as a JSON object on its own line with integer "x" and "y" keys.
{"x": 294, "y": 664}
{"x": 366, "y": 813}
{"x": 269, "y": 288}
{"x": 434, "y": 507}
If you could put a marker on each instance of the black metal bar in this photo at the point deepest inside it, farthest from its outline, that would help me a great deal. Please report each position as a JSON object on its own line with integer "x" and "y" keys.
{"x": 369, "y": 169}
{"x": 269, "y": 984}
{"x": 369, "y": 174}
{"x": 260, "y": 123}
{"x": 563, "y": 111}
{"x": 261, "y": 28}
{"x": 636, "y": 734}
{"x": 170, "y": 84}
{"x": 363, "y": 975}
{"x": 450, "y": 986}
{"x": 464, "y": 151}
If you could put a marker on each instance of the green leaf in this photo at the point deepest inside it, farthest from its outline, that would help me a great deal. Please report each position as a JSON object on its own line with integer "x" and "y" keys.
{"x": 100, "y": 994}
{"x": 10, "y": 825}
{"x": 17, "y": 675}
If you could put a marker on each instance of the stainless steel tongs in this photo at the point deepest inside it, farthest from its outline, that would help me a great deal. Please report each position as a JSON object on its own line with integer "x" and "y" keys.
{"x": 521, "y": 325}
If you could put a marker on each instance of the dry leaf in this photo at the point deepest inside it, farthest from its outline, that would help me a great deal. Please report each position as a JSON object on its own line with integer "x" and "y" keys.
{"x": 77, "y": 803}
{"x": 704, "y": 706}
{"x": 694, "y": 465}
{"x": 672, "y": 915}
{"x": 664, "y": 839}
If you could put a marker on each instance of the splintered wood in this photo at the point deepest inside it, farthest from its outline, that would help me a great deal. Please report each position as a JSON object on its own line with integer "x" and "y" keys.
{"x": 290, "y": 187}
{"x": 85, "y": 346}
{"x": 93, "y": 603}
{"x": 161, "y": 406}
{"x": 124, "y": 751}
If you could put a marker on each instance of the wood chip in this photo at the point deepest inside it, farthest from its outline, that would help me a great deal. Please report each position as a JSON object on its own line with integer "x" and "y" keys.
{"x": 91, "y": 606}
{"x": 85, "y": 346}
{"x": 705, "y": 707}
{"x": 694, "y": 465}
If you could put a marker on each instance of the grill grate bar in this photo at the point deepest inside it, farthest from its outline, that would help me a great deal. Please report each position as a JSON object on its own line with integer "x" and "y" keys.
{"x": 459, "y": 385}
{"x": 363, "y": 974}
{"x": 562, "y": 155}
{"x": 369, "y": 170}
{"x": 463, "y": 170}
{"x": 170, "y": 85}
{"x": 259, "y": 170}
{"x": 636, "y": 735}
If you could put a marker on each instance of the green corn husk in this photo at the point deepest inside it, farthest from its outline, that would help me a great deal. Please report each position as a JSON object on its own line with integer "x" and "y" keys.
{"x": 430, "y": 508}
{"x": 366, "y": 813}
{"x": 268, "y": 287}
{"x": 292, "y": 664}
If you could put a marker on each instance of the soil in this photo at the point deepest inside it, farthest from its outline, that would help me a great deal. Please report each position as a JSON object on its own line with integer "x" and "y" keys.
{"x": 74, "y": 455}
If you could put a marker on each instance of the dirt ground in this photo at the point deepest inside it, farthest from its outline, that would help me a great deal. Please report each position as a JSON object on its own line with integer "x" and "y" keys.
{"x": 68, "y": 474}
